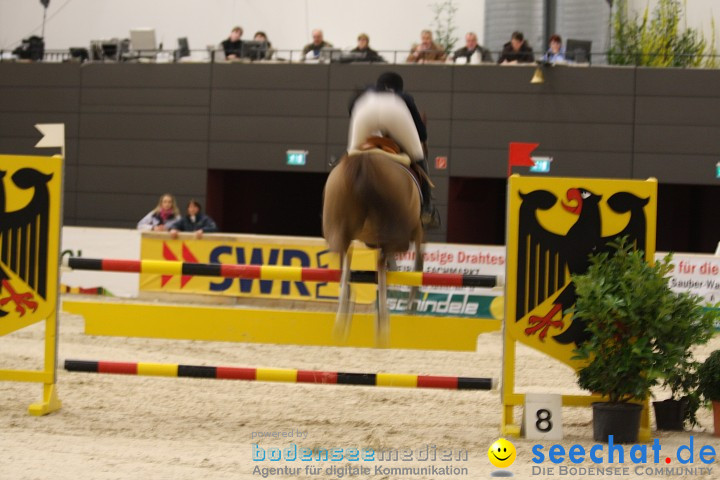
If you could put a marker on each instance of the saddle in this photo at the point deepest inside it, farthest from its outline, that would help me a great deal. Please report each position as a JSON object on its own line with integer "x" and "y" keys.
{"x": 389, "y": 148}
{"x": 386, "y": 147}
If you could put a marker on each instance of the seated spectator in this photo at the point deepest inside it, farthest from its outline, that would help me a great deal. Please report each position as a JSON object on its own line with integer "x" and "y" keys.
{"x": 268, "y": 53}
{"x": 363, "y": 51}
{"x": 556, "y": 52}
{"x": 161, "y": 216}
{"x": 233, "y": 45}
{"x": 311, "y": 51}
{"x": 517, "y": 50}
{"x": 426, "y": 51}
{"x": 194, "y": 221}
{"x": 472, "y": 52}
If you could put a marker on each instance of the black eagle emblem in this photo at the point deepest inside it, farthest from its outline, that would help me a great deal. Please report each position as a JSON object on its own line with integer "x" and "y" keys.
{"x": 24, "y": 240}
{"x": 546, "y": 259}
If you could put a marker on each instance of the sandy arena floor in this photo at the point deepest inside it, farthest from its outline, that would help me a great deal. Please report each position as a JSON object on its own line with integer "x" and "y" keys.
{"x": 126, "y": 427}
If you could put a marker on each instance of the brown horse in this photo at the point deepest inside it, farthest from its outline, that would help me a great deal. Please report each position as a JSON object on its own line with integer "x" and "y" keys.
{"x": 371, "y": 197}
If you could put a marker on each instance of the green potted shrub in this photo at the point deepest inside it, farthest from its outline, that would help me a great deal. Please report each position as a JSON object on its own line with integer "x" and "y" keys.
{"x": 693, "y": 325}
{"x": 680, "y": 409}
{"x": 709, "y": 385}
{"x": 637, "y": 327}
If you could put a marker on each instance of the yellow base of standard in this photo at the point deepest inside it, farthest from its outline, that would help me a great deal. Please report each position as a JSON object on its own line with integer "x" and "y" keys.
{"x": 49, "y": 404}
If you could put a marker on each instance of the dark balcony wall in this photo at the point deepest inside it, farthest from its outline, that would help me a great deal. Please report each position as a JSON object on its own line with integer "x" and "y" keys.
{"x": 135, "y": 131}
{"x": 42, "y": 93}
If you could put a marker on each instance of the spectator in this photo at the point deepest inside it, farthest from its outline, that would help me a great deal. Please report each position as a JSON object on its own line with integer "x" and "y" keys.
{"x": 472, "y": 52}
{"x": 363, "y": 51}
{"x": 268, "y": 53}
{"x": 387, "y": 108}
{"x": 311, "y": 51}
{"x": 426, "y": 51}
{"x": 233, "y": 45}
{"x": 556, "y": 52}
{"x": 194, "y": 221}
{"x": 161, "y": 216}
{"x": 516, "y": 50}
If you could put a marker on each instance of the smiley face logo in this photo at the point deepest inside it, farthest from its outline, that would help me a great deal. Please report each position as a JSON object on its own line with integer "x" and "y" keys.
{"x": 502, "y": 453}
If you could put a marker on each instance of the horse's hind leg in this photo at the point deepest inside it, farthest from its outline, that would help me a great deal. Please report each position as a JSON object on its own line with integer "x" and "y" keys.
{"x": 344, "y": 315}
{"x": 418, "y": 267}
{"x": 382, "y": 324}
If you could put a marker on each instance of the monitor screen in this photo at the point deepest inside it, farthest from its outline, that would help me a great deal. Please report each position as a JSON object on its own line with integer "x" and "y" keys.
{"x": 578, "y": 50}
{"x": 80, "y": 54}
{"x": 183, "y": 47}
{"x": 109, "y": 50}
{"x": 143, "y": 39}
{"x": 330, "y": 54}
{"x": 253, "y": 50}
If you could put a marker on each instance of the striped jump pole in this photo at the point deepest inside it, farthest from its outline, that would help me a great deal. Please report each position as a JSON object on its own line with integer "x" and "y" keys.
{"x": 273, "y": 272}
{"x": 282, "y": 375}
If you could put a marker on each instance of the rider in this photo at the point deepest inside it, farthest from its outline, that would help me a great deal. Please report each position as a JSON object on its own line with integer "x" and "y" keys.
{"x": 387, "y": 109}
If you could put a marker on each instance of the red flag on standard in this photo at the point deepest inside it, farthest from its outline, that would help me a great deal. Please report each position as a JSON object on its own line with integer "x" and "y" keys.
{"x": 519, "y": 155}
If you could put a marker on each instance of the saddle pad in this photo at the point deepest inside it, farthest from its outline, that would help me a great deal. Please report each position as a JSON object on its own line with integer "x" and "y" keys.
{"x": 401, "y": 158}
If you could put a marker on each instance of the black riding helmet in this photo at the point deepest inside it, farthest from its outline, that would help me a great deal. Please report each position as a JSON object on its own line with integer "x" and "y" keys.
{"x": 390, "y": 81}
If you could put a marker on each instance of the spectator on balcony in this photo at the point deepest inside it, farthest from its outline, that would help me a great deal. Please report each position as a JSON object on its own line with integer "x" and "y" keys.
{"x": 233, "y": 45}
{"x": 194, "y": 221}
{"x": 517, "y": 50}
{"x": 311, "y": 51}
{"x": 267, "y": 54}
{"x": 556, "y": 52}
{"x": 165, "y": 213}
{"x": 427, "y": 51}
{"x": 472, "y": 52}
{"x": 363, "y": 52}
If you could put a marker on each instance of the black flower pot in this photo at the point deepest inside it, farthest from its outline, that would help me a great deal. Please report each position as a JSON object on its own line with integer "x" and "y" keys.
{"x": 670, "y": 414}
{"x": 621, "y": 420}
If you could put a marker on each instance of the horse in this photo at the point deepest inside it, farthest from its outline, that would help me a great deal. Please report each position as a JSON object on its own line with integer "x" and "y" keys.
{"x": 372, "y": 196}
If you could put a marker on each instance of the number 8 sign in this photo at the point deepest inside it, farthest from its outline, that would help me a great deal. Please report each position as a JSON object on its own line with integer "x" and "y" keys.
{"x": 542, "y": 417}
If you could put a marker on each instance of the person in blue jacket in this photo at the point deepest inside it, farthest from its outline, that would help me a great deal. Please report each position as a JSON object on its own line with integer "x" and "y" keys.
{"x": 556, "y": 52}
{"x": 194, "y": 221}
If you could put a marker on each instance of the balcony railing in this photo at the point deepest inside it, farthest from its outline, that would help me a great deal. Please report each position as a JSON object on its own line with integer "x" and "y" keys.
{"x": 216, "y": 55}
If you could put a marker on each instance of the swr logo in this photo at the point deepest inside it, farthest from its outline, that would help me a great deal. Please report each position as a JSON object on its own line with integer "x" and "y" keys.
{"x": 276, "y": 256}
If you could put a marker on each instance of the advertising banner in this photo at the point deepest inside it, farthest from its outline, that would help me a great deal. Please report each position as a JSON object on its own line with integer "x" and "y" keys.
{"x": 313, "y": 252}
{"x": 697, "y": 274}
{"x": 252, "y": 250}
{"x": 461, "y": 302}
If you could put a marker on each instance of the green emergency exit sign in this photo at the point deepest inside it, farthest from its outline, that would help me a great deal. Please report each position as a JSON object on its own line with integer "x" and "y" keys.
{"x": 542, "y": 164}
{"x": 296, "y": 157}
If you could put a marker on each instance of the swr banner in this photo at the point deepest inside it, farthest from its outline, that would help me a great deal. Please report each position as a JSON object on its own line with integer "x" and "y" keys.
{"x": 251, "y": 250}
{"x": 313, "y": 253}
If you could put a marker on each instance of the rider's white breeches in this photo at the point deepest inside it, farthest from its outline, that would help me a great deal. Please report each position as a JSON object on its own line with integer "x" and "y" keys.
{"x": 384, "y": 114}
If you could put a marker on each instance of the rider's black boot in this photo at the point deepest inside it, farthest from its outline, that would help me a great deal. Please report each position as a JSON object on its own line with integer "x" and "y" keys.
{"x": 429, "y": 215}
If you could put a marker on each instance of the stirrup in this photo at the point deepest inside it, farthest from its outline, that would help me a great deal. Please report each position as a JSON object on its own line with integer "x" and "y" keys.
{"x": 430, "y": 218}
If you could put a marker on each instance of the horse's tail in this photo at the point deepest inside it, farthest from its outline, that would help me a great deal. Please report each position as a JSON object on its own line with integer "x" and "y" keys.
{"x": 343, "y": 215}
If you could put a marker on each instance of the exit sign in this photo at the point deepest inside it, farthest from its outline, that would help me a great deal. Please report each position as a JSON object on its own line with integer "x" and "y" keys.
{"x": 542, "y": 164}
{"x": 296, "y": 157}
{"x": 717, "y": 170}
